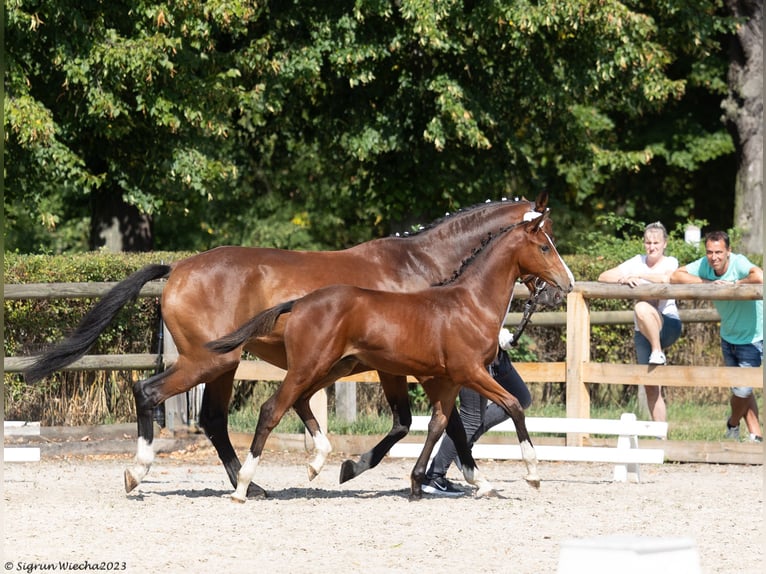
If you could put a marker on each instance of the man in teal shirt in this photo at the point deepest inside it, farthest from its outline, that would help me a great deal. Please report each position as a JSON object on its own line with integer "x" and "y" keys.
{"x": 741, "y": 322}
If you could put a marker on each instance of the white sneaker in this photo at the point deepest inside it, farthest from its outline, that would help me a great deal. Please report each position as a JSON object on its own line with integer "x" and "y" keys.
{"x": 657, "y": 358}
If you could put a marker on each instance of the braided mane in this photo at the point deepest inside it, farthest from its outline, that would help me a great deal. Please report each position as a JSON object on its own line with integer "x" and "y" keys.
{"x": 488, "y": 240}
{"x": 461, "y": 211}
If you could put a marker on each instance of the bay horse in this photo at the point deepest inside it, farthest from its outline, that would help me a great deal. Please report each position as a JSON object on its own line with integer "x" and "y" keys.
{"x": 444, "y": 335}
{"x": 209, "y": 294}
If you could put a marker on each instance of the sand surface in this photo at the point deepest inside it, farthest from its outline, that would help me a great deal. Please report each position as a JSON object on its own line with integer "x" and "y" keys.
{"x": 73, "y": 509}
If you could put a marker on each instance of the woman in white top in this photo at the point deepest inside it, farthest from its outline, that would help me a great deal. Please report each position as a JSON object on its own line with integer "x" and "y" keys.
{"x": 657, "y": 324}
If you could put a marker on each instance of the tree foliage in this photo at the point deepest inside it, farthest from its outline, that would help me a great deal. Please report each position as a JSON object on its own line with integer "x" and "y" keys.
{"x": 319, "y": 125}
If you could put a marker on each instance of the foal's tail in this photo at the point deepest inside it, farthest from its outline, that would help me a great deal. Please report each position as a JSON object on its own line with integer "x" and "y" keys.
{"x": 94, "y": 322}
{"x": 262, "y": 324}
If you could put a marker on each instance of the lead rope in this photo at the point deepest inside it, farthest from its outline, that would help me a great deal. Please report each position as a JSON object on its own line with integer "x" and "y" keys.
{"x": 529, "y": 307}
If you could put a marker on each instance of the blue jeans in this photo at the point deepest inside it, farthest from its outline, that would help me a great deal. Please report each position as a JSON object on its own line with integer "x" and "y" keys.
{"x": 671, "y": 330}
{"x": 750, "y": 355}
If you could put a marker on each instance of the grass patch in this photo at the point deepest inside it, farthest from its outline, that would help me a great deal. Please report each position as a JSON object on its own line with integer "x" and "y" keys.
{"x": 687, "y": 421}
{"x": 245, "y": 420}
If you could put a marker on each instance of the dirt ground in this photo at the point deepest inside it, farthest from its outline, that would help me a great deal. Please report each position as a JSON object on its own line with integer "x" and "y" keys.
{"x": 73, "y": 508}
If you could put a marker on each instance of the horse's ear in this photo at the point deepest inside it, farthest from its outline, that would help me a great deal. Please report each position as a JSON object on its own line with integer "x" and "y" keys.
{"x": 534, "y": 220}
{"x": 540, "y": 221}
{"x": 541, "y": 203}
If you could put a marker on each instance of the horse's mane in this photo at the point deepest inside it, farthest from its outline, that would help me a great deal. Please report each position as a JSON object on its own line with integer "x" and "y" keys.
{"x": 461, "y": 211}
{"x": 488, "y": 240}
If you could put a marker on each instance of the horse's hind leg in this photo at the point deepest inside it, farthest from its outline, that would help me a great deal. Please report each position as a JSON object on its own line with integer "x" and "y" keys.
{"x": 436, "y": 427}
{"x": 396, "y": 390}
{"x": 272, "y": 411}
{"x": 322, "y": 446}
{"x": 214, "y": 420}
{"x": 146, "y": 400}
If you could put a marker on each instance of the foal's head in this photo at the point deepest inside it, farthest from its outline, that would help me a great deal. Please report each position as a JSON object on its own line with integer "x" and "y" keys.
{"x": 539, "y": 256}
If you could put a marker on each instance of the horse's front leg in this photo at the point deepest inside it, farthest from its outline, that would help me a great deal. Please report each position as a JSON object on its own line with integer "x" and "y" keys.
{"x": 322, "y": 446}
{"x": 483, "y": 383}
{"x": 528, "y": 454}
{"x": 396, "y": 389}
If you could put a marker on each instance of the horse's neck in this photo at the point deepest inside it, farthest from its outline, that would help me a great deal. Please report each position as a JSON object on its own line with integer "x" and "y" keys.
{"x": 452, "y": 240}
{"x": 474, "y": 225}
{"x": 491, "y": 276}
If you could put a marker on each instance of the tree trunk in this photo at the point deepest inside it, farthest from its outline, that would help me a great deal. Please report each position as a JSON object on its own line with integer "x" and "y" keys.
{"x": 743, "y": 115}
{"x": 118, "y": 226}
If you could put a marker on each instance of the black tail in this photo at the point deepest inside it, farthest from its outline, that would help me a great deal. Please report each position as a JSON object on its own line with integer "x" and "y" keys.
{"x": 262, "y": 324}
{"x": 94, "y": 322}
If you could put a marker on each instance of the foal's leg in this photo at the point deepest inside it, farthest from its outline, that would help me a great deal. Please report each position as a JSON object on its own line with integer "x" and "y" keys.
{"x": 272, "y": 411}
{"x": 484, "y": 384}
{"x": 396, "y": 389}
{"x": 214, "y": 420}
{"x": 528, "y": 454}
{"x": 456, "y": 433}
{"x": 322, "y": 446}
{"x": 442, "y": 397}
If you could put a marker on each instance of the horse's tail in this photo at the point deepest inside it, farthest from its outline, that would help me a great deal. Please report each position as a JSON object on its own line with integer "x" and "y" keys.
{"x": 262, "y": 324}
{"x": 93, "y": 323}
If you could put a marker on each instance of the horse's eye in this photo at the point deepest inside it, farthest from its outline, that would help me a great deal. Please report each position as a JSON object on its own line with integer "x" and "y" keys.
{"x": 545, "y": 248}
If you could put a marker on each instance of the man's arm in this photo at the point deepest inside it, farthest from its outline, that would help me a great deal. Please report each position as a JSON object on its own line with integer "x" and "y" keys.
{"x": 681, "y": 275}
{"x": 755, "y": 276}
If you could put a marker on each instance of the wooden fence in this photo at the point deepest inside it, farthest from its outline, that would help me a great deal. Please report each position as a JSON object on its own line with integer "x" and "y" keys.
{"x": 576, "y": 371}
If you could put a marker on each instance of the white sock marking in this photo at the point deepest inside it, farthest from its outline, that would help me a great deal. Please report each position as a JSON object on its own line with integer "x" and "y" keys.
{"x": 322, "y": 448}
{"x": 245, "y": 477}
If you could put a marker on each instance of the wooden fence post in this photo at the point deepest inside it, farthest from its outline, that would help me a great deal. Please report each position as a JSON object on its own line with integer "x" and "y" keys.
{"x": 345, "y": 401}
{"x": 578, "y": 354}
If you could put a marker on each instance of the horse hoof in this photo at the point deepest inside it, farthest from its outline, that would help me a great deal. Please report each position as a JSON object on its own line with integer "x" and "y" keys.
{"x": 347, "y": 471}
{"x": 313, "y": 473}
{"x": 255, "y": 491}
{"x": 130, "y": 481}
{"x": 533, "y": 482}
{"x": 415, "y": 496}
{"x": 236, "y": 498}
{"x": 487, "y": 492}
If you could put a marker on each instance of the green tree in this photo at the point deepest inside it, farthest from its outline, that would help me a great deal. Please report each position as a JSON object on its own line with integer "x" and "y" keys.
{"x": 743, "y": 114}
{"x": 315, "y": 124}
{"x": 115, "y": 111}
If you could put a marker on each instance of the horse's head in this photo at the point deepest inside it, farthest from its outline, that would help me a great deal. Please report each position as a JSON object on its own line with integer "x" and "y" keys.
{"x": 543, "y": 293}
{"x": 540, "y": 258}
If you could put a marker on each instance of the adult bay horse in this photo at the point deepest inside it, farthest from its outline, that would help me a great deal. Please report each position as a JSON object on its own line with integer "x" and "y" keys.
{"x": 211, "y": 293}
{"x": 443, "y": 335}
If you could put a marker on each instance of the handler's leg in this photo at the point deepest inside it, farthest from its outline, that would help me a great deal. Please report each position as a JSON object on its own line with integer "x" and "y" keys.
{"x": 472, "y": 407}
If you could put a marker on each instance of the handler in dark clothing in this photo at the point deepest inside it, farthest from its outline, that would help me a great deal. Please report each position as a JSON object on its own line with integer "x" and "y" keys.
{"x": 478, "y": 416}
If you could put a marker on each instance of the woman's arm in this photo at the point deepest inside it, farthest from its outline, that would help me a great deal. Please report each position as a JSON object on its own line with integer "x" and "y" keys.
{"x": 616, "y": 275}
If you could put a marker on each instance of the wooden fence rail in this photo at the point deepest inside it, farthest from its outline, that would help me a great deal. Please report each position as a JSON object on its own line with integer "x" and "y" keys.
{"x": 576, "y": 371}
